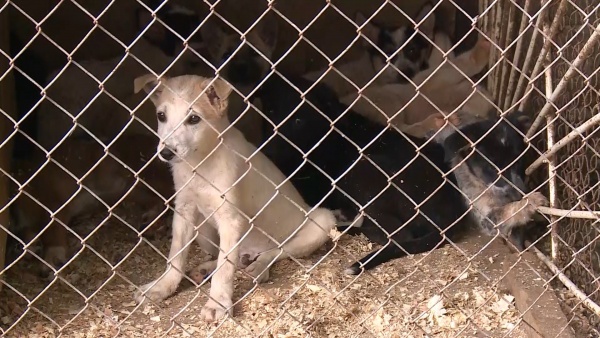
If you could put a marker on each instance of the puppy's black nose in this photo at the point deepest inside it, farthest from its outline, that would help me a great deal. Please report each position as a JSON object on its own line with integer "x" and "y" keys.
{"x": 167, "y": 154}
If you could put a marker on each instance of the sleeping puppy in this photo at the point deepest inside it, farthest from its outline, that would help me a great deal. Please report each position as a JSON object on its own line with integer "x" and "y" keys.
{"x": 491, "y": 175}
{"x": 413, "y": 214}
{"x": 391, "y": 178}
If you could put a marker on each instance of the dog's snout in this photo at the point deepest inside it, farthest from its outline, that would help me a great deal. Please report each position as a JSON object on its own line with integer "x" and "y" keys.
{"x": 167, "y": 154}
{"x": 407, "y": 73}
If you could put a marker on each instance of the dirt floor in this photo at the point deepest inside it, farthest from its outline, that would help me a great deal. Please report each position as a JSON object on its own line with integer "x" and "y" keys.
{"x": 308, "y": 297}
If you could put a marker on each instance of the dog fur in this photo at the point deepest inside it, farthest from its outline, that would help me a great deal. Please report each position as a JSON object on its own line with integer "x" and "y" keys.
{"x": 390, "y": 215}
{"x": 216, "y": 173}
{"x": 106, "y": 182}
{"x": 447, "y": 89}
{"x": 390, "y": 218}
{"x": 244, "y": 68}
{"x": 499, "y": 204}
{"x": 74, "y": 89}
{"x": 417, "y": 55}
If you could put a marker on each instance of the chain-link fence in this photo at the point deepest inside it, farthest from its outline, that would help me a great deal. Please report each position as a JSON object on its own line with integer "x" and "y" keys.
{"x": 345, "y": 168}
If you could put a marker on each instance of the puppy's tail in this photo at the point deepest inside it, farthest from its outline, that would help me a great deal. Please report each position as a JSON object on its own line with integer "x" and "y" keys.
{"x": 392, "y": 251}
{"x": 324, "y": 219}
{"x": 313, "y": 234}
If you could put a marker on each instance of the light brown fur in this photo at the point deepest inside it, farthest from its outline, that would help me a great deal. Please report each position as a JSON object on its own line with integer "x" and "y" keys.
{"x": 109, "y": 180}
{"x": 228, "y": 193}
{"x": 490, "y": 202}
{"x": 448, "y": 89}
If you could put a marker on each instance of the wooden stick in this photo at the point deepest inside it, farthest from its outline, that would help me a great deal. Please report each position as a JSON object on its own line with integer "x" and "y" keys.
{"x": 569, "y": 213}
{"x": 8, "y": 106}
{"x": 540, "y": 60}
{"x": 577, "y": 132}
{"x": 587, "y": 302}
{"x": 583, "y": 55}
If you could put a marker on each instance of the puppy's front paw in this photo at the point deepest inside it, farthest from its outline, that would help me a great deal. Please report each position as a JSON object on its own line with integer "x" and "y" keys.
{"x": 157, "y": 293}
{"x": 481, "y": 51}
{"x": 56, "y": 256}
{"x": 537, "y": 199}
{"x": 258, "y": 271}
{"x": 214, "y": 311}
{"x": 534, "y": 200}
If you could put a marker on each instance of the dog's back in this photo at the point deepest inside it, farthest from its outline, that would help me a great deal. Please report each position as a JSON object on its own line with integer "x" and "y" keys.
{"x": 309, "y": 131}
{"x": 337, "y": 151}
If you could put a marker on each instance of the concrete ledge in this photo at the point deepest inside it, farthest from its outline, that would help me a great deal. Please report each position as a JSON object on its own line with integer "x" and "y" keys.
{"x": 538, "y": 303}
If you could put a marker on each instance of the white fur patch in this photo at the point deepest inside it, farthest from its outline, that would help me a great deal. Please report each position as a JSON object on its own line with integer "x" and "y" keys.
{"x": 178, "y": 9}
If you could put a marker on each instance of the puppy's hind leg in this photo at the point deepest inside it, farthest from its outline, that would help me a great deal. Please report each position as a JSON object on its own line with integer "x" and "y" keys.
{"x": 312, "y": 235}
{"x": 408, "y": 244}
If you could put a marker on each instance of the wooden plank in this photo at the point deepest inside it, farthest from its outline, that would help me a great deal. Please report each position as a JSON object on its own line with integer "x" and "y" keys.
{"x": 8, "y": 105}
{"x": 537, "y": 302}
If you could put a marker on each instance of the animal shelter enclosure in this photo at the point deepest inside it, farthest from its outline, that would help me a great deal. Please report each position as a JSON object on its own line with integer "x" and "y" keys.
{"x": 441, "y": 157}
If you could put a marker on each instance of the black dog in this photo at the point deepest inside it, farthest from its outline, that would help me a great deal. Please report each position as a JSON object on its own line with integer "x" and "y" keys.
{"x": 491, "y": 175}
{"x": 412, "y": 213}
{"x": 392, "y": 178}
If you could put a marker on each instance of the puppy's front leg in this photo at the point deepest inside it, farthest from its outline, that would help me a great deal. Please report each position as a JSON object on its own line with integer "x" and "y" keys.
{"x": 517, "y": 213}
{"x": 231, "y": 228}
{"x": 184, "y": 219}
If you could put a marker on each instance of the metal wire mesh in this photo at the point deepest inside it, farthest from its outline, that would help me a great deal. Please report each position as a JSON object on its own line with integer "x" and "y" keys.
{"x": 93, "y": 142}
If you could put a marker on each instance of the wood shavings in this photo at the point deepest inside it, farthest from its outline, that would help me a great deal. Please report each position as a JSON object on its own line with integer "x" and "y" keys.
{"x": 297, "y": 301}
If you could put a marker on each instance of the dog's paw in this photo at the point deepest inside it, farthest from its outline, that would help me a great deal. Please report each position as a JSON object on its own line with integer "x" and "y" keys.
{"x": 214, "y": 311}
{"x": 199, "y": 273}
{"x": 353, "y": 270}
{"x": 157, "y": 293}
{"x": 258, "y": 271}
{"x": 481, "y": 51}
{"x": 537, "y": 199}
{"x": 56, "y": 256}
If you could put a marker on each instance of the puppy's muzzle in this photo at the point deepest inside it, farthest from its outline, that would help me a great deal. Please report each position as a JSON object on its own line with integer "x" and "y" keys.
{"x": 166, "y": 155}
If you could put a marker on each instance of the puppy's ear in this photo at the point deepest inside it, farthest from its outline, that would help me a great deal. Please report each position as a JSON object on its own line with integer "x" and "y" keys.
{"x": 369, "y": 31}
{"x": 216, "y": 98}
{"x": 215, "y": 41}
{"x": 147, "y": 83}
{"x": 427, "y": 27}
{"x": 520, "y": 120}
{"x": 268, "y": 31}
{"x": 156, "y": 33}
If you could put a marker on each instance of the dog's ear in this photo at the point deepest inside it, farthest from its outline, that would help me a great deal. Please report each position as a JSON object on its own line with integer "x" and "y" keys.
{"x": 427, "y": 27}
{"x": 520, "y": 120}
{"x": 216, "y": 98}
{"x": 147, "y": 83}
{"x": 369, "y": 31}
{"x": 215, "y": 41}
{"x": 267, "y": 31}
{"x": 156, "y": 33}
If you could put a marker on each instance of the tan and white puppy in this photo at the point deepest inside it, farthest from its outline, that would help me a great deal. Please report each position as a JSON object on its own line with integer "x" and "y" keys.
{"x": 227, "y": 193}
{"x": 444, "y": 88}
{"x": 409, "y": 52}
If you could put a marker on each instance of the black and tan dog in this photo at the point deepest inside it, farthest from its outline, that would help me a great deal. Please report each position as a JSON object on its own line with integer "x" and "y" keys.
{"x": 491, "y": 174}
{"x": 399, "y": 197}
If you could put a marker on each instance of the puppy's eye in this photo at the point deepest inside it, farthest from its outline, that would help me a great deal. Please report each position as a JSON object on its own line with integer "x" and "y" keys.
{"x": 193, "y": 119}
{"x": 161, "y": 116}
{"x": 411, "y": 52}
